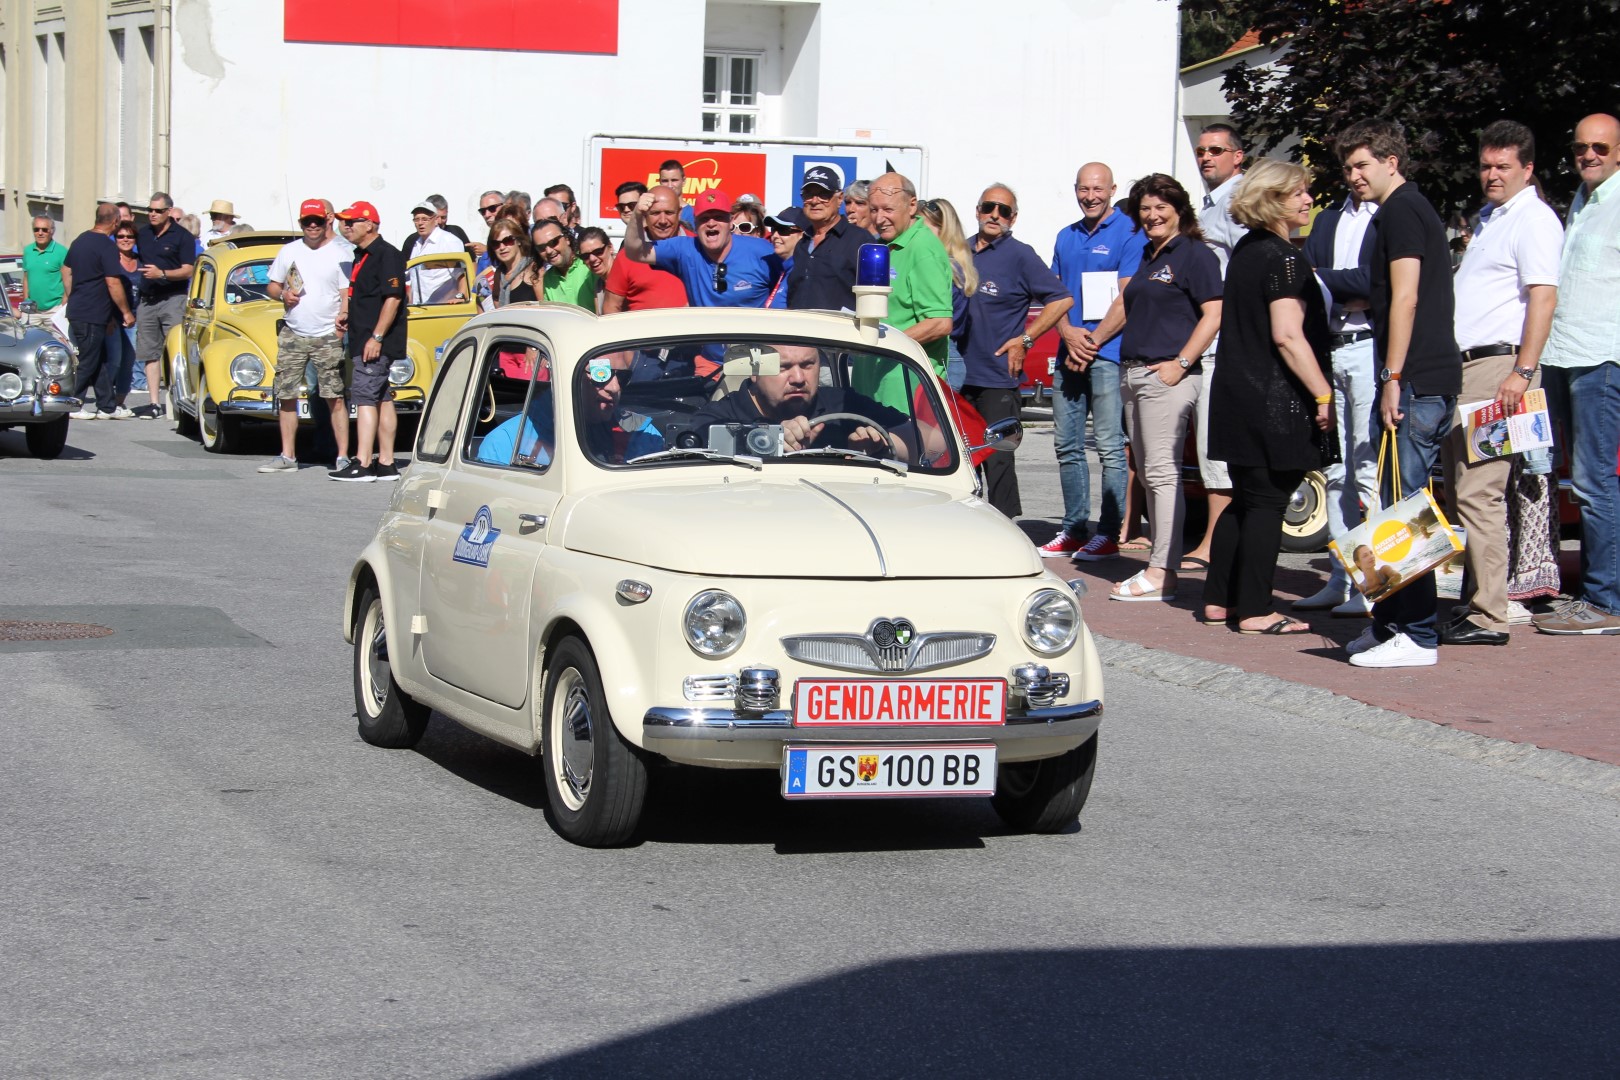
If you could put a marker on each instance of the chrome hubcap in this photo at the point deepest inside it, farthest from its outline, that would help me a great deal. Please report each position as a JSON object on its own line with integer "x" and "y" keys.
{"x": 377, "y": 673}
{"x": 572, "y": 739}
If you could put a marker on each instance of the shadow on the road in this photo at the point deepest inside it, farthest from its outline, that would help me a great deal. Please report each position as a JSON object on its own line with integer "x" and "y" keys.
{"x": 498, "y": 769}
{"x": 1475, "y": 1010}
{"x": 14, "y": 444}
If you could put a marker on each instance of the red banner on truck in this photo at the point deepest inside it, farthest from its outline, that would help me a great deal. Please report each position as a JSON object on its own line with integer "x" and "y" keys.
{"x": 735, "y": 173}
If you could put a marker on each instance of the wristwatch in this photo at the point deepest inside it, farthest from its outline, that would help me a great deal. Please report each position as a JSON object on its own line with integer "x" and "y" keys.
{"x": 1528, "y": 374}
{"x": 1184, "y": 362}
{"x": 1389, "y": 376}
{"x": 376, "y": 337}
{"x": 1028, "y": 342}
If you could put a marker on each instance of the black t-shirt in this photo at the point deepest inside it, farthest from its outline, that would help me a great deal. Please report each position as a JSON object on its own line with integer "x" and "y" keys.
{"x": 379, "y": 272}
{"x": 1165, "y": 299}
{"x": 170, "y": 251}
{"x": 739, "y": 408}
{"x": 823, "y": 279}
{"x": 1260, "y": 413}
{"x": 1406, "y": 226}
{"x": 92, "y": 259}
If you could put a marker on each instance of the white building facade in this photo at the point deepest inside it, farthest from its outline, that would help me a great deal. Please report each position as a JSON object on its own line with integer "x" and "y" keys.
{"x": 1021, "y": 93}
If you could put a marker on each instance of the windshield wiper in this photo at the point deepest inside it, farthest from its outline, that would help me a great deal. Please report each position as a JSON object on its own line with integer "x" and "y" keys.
{"x": 899, "y": 467}
{"x": 676, "y": 453}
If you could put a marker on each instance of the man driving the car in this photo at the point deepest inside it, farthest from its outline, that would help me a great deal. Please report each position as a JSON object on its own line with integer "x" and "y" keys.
{"x": 794, "y": 399}
{"x": 612, "y": 434}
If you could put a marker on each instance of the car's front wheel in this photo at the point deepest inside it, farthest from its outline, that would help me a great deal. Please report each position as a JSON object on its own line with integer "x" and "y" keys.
{"x": 184, "y": 424}
{"x": 596, "y": 782}
{"x": 1305, "y": 521}
{"x": 220, "y": 434}
{"x": 1046, "y": 796}
{"x": 47, "y": 440}
{"x": 389, "y": 717}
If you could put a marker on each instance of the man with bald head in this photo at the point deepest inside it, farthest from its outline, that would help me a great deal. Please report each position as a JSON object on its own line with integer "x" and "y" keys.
{"x": 551, "y": 209}
{"x": 920, "y": 274}
{"x": 1095, "y": 258}
{"x": 1580, "y": 367}
{"x": 632, "y": 285}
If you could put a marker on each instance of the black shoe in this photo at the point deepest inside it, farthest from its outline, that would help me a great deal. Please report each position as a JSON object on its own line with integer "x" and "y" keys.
{"x": 1468, "y": 632}
{"x": 384, "y": 472}
{"x": 353, "y": 473}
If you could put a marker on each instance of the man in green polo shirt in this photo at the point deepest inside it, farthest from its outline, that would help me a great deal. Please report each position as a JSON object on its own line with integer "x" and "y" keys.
{"x": 42, "y": 267}
{"x": 920, "y": 272}
{"x": 568, "y": 280}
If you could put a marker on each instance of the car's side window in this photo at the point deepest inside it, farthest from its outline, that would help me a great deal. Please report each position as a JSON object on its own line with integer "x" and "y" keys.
{"x": 437, "y": 433}
{"x": 204, "y": 290}
{"x": 512, "y": 423}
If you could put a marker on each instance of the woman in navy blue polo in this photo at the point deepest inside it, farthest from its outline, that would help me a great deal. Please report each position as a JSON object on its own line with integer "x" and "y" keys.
{"x": 1171, "y": 311}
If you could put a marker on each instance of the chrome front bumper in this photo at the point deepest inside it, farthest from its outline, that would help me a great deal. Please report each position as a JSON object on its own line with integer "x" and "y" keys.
{"x": 31, "y": 408}
{"x": 266, "y": 410}
{"x": 1078, "y": 721}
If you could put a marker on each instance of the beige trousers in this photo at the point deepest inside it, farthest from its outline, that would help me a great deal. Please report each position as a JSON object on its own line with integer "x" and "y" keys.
{"x": 1156, "y": 418}
{"x": 1476, "y": 499}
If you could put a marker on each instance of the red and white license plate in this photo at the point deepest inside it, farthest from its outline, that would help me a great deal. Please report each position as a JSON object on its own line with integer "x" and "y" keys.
{"x": 891, "y": 702}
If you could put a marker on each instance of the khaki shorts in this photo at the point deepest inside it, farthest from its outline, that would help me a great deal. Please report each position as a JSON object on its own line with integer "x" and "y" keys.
{"x": 294, "y": 352}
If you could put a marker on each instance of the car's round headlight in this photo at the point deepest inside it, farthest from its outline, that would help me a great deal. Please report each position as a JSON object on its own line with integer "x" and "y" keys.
{"x": 714, "y": 624}
{"x": 53, "y": 359}
{"x": 247, "y": 370}
{"x": 10, "y": 385}
{"x": 1051, "y": 622}
{"x": 400, "y": 371}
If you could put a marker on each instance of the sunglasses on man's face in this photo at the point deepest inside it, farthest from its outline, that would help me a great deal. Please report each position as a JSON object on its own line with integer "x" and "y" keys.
{"x": 157, "y": 209}
{"x": 38, "y": 231}
{"x": 1601, "y": 149}
{"x": 625, "y": 207}
{"x": 311, "y": 222}
{"x": 987, "y": 208}
{"x": 488, "y": 210}
{"x": 1210, "y": 151}
{"x": 547, "y": 245}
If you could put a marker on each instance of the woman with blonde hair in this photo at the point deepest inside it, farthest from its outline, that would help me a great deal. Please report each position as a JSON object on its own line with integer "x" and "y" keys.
{"x": 940, "y": 216}
{"x": 1271, "y": 397}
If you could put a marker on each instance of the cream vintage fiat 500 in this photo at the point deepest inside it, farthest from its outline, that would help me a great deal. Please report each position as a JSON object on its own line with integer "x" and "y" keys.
{"x": 732, "y": 539}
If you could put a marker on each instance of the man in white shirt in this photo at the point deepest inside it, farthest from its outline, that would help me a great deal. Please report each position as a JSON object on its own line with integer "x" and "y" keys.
{"x": 1506, "y": 289}
{"x": 1220, "y": 157}
{"x": 1340, "y": 247}
{"x": 310, "y": 276}
{"x": 427, "y": 283}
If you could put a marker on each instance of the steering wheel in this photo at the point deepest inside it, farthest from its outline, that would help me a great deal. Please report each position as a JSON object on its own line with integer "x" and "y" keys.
{"x": 888, "y": 440}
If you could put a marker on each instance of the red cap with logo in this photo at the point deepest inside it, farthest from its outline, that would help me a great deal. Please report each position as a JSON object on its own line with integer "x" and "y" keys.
{"x": 361, "y": 211}
{"x": 311, "y": 208}
{"x": 711, "y": 202}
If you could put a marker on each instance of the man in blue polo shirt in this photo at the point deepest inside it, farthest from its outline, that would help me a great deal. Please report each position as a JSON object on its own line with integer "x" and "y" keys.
{"x": 718, "y": 267}
{"x": 1095, "y": 258}
{"x": 1011, "y": 278}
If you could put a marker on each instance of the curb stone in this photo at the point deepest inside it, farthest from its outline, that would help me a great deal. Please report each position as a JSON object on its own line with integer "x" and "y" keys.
{"x": 1314, "y": 703}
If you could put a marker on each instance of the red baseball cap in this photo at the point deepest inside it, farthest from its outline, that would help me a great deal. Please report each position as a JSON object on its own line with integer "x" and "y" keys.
{"x": 711, "y": 202}
{"x": 361, "y": 211}
{"x": 311, "y": 208}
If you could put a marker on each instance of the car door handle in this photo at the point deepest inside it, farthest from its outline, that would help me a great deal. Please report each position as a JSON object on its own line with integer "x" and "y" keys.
{"x": 531, "y": 521}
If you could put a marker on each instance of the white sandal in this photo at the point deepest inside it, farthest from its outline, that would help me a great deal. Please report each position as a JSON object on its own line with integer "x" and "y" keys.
{"x": 1138, "y": 589}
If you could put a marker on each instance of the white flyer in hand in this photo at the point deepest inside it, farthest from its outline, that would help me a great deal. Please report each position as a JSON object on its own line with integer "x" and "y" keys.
{"x": 1097, "y": 291}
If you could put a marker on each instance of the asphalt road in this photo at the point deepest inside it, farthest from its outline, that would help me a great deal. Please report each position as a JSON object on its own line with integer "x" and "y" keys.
{"x": 205, "y": 872}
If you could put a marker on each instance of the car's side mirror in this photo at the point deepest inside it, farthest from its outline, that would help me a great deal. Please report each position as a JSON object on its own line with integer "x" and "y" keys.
{"x": 28, "y": 307}
{"x": 197, "y": 302}
{"x": 1003, "y": 434}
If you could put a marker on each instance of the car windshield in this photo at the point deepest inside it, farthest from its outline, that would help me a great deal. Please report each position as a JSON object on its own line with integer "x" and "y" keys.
{"x": 437, "y": 281}
{"x": 693, "y": 403}
{"x": 248, "y": 282}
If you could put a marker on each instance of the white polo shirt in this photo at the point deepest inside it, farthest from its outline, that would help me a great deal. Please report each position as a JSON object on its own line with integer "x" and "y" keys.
{"x": 1221, "y": 233}
{"x": 1517, "y": 245}
{"x": 427, "y": 283}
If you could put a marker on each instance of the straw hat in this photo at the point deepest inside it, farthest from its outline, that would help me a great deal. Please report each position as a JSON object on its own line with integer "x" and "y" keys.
{"x": 222, "y": 208}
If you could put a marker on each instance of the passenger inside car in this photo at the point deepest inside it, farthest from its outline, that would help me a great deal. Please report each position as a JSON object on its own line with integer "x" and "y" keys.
{"x": 611, "y": 434}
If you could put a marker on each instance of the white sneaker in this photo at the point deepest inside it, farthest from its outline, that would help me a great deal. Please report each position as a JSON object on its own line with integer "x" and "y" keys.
{"x": 1518, "y": 614}
{"x": 123, "y": 413}
{"x": 1357, "y": 607}
{"x": 1363, "y": 641}
{"x": 1398, "y": 651}
{"x": 1332, "y": 594}
{"x": 82, "y": 414}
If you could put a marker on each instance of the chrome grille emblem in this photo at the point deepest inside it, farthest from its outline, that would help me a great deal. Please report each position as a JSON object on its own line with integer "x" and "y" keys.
{"x": 892, "y": 639}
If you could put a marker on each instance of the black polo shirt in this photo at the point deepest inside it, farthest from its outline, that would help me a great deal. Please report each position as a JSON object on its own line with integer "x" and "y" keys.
{"x": 379, "y": 272}
{"x": 92, "y": 259}
{"x": 1407, "y": 226}
{"x": 1165, "y": 299}
{"x": 739, "y": 408}
{"x": 169, "y": 250}
{"x": 823, "y": 278}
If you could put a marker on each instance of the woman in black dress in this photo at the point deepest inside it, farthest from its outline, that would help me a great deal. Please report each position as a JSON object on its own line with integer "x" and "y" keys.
{"x": 512, "y": 255}
{"x": 1271, "y": 402}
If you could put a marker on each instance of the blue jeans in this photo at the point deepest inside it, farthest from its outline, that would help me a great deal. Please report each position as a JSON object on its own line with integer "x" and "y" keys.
{"x": 1074, "y": 394}
{"x": 1355, "y": 406}
{"x": 1417, "y": 439}
{"x": 120, "y": 353}
{"x": 1585, "y": 404}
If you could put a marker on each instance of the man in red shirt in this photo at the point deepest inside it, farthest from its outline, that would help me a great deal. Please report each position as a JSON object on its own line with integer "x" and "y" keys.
{"x": 631, "y": 285}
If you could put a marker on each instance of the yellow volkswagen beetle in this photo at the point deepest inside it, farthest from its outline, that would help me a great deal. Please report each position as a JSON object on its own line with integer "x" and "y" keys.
{"x": 221, "y": 359}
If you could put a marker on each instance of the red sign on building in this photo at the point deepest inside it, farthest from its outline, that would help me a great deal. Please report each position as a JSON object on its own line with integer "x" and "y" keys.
{"x": 568, "y": 26}
{"x": 734, "y": 173}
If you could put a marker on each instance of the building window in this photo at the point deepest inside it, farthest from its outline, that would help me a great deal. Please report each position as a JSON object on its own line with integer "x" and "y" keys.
{"x": 49, "y": 173}
{"x": 130, "y": 105}
{"x": 731, "y": 93}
